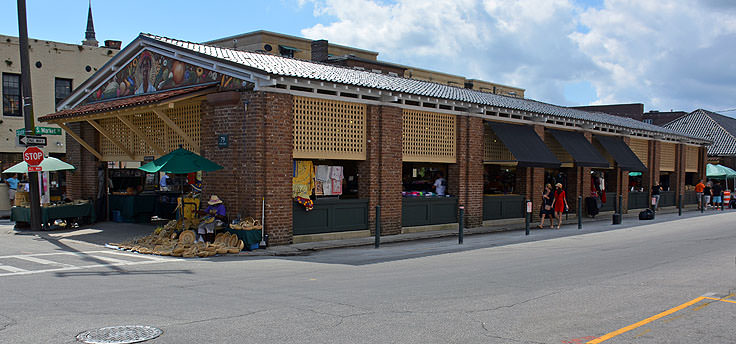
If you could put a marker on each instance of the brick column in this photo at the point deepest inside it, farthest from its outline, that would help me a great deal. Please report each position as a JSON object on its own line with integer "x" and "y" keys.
{"x": 655, "y": 148}
{"x": 702, "y": 162}
{"x": 380, "y": 174}
{"x": 465, "y": 177}
{"x": 258, "y": 161}
{"x": 679, "y": 185}
{"x": 82, "y": 182}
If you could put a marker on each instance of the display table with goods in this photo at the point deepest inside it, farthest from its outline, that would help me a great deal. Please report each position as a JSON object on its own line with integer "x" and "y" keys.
{"x": 81, "y": 210}
{"x": 248, "y": 230}
{"x": 178, "y": 238}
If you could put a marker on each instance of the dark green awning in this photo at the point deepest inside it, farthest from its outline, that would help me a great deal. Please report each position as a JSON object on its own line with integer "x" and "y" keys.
{"x": 527, "y": 147}
{"x": 582, "y": 151}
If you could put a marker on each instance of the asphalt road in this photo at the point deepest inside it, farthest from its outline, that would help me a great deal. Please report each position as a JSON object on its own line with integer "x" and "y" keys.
{"x": 553, "y": 287}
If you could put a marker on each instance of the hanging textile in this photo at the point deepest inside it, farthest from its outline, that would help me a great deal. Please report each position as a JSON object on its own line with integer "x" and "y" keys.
{"x": 303, "y": 179}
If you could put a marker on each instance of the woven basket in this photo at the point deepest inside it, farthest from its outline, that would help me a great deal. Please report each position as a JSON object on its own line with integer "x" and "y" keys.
{"x": 233, "y": 241}
{"x": 187, "y": 237}
{"x": 233, "y": 250}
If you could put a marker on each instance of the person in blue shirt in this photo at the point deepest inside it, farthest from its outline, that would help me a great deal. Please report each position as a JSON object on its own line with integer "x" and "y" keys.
{"x": 214, "y": 216}
{"x": 13, "y": 186}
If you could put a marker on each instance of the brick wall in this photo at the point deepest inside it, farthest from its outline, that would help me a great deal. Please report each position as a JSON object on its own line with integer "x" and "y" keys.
{"x": 259, "y": 153}
{"x": 82, "y": 182}
{"x": 655, "y": 148}
{"x": 465, "y": 177}
{"x": 380, "y": 173}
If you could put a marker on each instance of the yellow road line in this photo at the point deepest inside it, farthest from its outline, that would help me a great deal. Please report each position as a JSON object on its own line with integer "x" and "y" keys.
{"x": 645, "y": 321}
{"x": 722, "y": 300}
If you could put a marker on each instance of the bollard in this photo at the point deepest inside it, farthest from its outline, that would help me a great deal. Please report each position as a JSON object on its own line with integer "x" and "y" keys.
{"x": 679, "y": 206}
{"x": 528, "y": 215}
{"x": 378, "y": 226}
{"x": 460, "y": 227}
{"x": 580, "y": 212}
{"x": 721, "y": 200}
{"x": 702, "y": 203}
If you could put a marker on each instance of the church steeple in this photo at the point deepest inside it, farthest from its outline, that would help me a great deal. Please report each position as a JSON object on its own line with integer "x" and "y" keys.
{"x": 89, "y": 35}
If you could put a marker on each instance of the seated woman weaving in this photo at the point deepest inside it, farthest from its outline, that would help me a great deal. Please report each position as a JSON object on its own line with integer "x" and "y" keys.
{"x": 214, "y": 216}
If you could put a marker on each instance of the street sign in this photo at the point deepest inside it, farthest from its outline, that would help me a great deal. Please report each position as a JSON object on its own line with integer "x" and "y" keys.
{"x": 40, "y": 131}
{"x": 24, "y": 140}
{"x": 34, "y": 168}
{"x": 33, "y": 156}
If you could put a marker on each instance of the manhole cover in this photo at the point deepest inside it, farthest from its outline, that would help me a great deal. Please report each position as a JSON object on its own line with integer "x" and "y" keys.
{"x": 119, "y": 334}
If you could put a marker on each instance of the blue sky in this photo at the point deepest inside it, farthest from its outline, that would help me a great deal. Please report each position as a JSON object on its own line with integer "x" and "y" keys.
{"x": 566, "y": 52}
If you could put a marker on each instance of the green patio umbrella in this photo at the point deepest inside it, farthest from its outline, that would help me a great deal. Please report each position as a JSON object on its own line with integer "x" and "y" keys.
{"x": 180, "y": 161}
{"x": 48, "y": 164}
{"x": 719, "y": 172}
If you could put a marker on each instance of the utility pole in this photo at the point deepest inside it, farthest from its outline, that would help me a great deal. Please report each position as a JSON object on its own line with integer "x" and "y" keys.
{"x": 27, "y": 106}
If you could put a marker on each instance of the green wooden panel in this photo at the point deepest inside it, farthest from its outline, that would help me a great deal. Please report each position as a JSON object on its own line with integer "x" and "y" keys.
{"x": 638, "y": 200}
{"x": 331, "y": 215}
{"x": 667, "y": 199}
{"x": 422, "y": 211}
{"x": 503, "y": 207}
{"x": 690, "y": 197}
{"x": 610, "y": 202}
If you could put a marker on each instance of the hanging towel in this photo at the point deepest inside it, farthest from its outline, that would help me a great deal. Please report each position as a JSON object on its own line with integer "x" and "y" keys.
{"x": 336, "y": 172}
{"x": 303, "y": 180}
{"x": 327, "y": 188}
{"x": 323, "y": 173}
{"x": 336, "y": 187}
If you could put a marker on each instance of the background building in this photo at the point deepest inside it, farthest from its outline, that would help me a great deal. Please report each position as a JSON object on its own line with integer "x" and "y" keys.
{"x": 322, "y": 51}
{"x": 712, "y": 126}
{"x": 56, "y": 69}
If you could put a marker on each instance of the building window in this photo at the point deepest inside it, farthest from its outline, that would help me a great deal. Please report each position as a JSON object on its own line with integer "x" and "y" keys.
{"x": 286, "y": 51}
{"x": 647, "y": 120}
{"x": 11, "y": 95}
{"x": 62, "y": 89}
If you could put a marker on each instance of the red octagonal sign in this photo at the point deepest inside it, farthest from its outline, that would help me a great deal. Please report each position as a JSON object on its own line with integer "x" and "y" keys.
{"x": 33, "y": 156}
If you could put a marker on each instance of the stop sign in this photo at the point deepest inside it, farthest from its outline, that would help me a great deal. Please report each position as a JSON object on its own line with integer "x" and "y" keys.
{"x": 33, "y": 156}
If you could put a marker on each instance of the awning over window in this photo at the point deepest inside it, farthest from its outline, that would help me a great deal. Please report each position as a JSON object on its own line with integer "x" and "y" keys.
{"x": 527, "y": 147}
{"x": 582, "y": 151}
{"x": 621, "y": 153}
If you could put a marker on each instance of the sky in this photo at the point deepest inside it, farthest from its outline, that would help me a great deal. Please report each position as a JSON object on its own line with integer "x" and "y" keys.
{"x": 667, "y": 54}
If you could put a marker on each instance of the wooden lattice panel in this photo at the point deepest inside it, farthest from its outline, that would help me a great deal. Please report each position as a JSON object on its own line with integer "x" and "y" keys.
{"x": 329, "y": 129}
{"x": 667, "y": 157}
{"x": 428, "y": 137}
{"x": 556, "y": 148}
{"x": 494, "y": 149}
{"x": 186, "y": 116}
{"x": 691, "y": 159}
{"x": 641, "y": 149}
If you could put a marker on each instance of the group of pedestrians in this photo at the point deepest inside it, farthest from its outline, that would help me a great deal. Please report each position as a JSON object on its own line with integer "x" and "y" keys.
{"x": 554, "y": 203}
{"x": 709, "y": 194}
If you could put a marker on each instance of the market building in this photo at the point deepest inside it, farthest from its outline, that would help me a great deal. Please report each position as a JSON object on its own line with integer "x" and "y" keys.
{"x": 319, "y": 146}
{"x": 715, "y": 127}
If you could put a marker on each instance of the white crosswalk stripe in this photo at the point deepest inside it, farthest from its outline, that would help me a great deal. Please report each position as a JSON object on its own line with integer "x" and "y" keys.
{"x": 58, "y": 261}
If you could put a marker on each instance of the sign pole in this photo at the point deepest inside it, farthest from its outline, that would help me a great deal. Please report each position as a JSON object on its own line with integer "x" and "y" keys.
{"x": 27, "y": 106}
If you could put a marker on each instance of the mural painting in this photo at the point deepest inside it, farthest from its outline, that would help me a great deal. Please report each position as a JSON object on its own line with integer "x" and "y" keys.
{"x": 150, "y": 72}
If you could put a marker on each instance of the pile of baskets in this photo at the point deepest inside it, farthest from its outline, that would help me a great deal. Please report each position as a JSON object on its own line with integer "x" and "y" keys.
{"x": 166, "y": 241}
{"x": 248, "y": 224}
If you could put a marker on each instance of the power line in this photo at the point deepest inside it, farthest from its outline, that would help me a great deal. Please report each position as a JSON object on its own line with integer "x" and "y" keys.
{"x": 729, "y": 110}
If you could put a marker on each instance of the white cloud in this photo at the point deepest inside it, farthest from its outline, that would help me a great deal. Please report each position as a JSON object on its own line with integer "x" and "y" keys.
{"x": 666, "y": 54}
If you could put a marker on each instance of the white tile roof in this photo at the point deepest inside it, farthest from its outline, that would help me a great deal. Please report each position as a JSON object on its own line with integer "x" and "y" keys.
{"x": 290, "y": 67}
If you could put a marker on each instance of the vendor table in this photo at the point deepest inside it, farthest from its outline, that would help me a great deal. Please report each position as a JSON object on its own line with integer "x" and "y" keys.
{"x": 249, "y": 237}
{"x": 49, "y": 214}
{"x": 133, "y": 208}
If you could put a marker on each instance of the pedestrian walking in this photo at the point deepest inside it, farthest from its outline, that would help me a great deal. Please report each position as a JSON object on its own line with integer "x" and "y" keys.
{"x": 560, "y": 203}
{"x": 699, "y": 188}
{"x": 547, "y": 203}
{"x": 707, "y": 193}
{"x": 656, "y": 190}
{"x": 717, "y": 198}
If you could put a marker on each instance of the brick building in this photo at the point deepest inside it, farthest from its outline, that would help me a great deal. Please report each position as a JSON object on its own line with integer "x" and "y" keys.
{"x": 392, "y": 137}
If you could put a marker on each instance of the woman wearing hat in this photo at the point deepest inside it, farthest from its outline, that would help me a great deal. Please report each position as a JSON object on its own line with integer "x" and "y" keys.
{"x": 560, "y": 203}
{"x": 214, "y": 216}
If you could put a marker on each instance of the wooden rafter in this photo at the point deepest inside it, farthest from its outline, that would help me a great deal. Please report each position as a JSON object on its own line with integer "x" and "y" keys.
{"x": 141, "y": 134}
{"x": 79, "y": 139}
{"x": 160, "y": 113}
{"x": 111, "y": 138}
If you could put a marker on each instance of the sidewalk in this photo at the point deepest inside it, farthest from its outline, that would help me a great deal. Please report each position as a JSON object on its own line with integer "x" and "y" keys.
{"x": 504, "y": 233}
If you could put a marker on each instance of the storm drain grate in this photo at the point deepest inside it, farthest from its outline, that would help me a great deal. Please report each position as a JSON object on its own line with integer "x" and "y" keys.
{"x": 119, "y": 334}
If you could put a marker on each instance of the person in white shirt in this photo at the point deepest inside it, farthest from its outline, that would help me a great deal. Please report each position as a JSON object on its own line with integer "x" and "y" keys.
{"x": 440, "y": 184}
